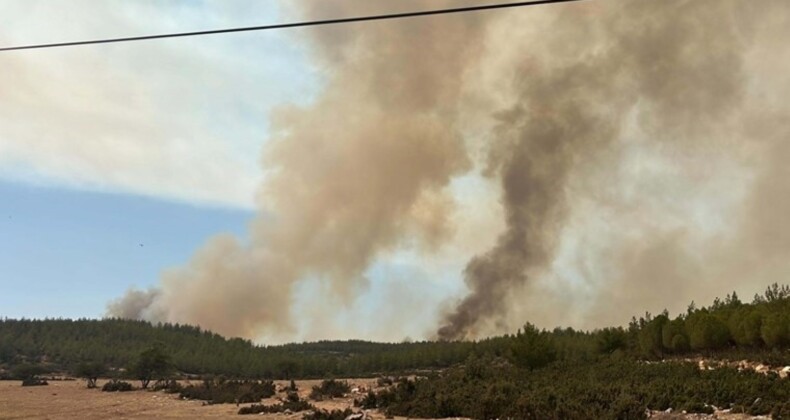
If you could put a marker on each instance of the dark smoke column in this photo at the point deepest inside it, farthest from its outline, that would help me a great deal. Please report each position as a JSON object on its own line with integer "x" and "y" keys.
{"x": 561, "y": 113}
{"x": 533, "y": 158}
{"x": 669, "y": 67}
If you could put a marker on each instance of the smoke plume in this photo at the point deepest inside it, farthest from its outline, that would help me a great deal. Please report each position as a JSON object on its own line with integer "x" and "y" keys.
{"x": 639, "y": 147}
{"x": 670, "y": 74}
{"x": 350, "y": 176}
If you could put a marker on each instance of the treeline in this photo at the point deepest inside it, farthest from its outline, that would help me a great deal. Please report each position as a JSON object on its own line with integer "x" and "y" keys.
{"x": 116, "y": 343}
{"x": 728, "y": 323}
{"x": 614, "y": 373}
{"x": 760, "y": 329}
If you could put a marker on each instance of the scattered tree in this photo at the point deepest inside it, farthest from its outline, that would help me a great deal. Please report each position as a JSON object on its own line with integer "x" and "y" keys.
{"x": 90, "y": 371}
{"x": 152, "y": 363}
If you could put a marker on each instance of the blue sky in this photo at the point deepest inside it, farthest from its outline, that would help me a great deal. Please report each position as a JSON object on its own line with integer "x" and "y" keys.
{"x": 106, "y": 148}
{"x": 64, "y": 252}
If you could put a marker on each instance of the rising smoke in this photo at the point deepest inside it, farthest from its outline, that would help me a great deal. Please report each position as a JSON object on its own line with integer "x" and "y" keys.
{"x": 350, "y": 176}
{"x": 639, "y": 147}
{"x": 669, "y": 62}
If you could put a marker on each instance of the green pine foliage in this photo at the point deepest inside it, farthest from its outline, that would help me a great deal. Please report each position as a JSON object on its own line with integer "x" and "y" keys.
{"x": 152, "y": 364}
{"x": 612, "y": 373}
{"x": 118, "y": 344}
{"x": 604, "y": 389}
{"x": 90, "y": 371}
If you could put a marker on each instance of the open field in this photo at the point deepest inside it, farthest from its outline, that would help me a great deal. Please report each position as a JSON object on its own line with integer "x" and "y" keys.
{"x": 72, "y": 400}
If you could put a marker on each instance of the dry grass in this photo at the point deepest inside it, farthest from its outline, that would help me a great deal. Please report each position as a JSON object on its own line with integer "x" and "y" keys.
{"x": 72, "y": 400}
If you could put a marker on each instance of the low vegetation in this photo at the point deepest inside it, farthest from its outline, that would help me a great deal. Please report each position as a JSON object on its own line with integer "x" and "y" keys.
{"x": 330, "y": 388}
{"x": 328, "y": 415}
{"x": 34, "y": 382}
{"x": 609, "y": 388}
{"x": 614, "y": 372}
{"x": 117, "y": 386}
{"x": 292, "y": 404}
{"x": 170, "y": 386}
{"x": 221, "y": 391}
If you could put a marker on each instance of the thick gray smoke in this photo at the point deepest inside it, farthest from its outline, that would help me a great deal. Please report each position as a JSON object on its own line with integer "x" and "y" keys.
{"x": 350, "y": 176}
{"x": 673, "y": 70}
{"x": 640, "y": 148}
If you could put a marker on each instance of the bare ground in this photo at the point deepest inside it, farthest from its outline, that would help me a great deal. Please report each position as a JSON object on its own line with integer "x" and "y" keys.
{"x": 72, "y": 400}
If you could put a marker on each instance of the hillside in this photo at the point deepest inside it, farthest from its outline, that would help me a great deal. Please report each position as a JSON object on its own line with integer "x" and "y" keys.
{"x": 728, "y": 328}
{"x": 656, "y": 363}
{"x": 62, "y": 343}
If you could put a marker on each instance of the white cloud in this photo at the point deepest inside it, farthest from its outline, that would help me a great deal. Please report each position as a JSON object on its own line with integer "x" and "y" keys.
{"x": 180, "y": 119}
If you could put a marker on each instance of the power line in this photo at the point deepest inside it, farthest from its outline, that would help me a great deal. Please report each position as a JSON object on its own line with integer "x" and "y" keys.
{"x": 293, "y": 25}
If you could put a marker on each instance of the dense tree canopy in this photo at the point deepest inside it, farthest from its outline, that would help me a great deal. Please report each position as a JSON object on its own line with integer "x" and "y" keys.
{"x": 760, "y": 328}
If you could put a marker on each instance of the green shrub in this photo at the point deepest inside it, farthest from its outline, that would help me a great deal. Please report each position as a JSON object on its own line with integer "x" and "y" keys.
{"x": 117, "y": 386}
{"x": 604, "y": 389}
{"x": 169, "y": 386}
{"x": 330, "y": 388}
{"x": 229, "y": 392}
{"x": 328, "y": 415}
{"x": 289, "y": 405}
{"x": 34, "y": 382}
{"x": 368, "y": 401}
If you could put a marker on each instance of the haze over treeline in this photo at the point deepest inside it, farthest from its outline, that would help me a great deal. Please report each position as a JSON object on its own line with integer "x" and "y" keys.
{"x": 638, "y": 150}
{"x": 729, "y": 328}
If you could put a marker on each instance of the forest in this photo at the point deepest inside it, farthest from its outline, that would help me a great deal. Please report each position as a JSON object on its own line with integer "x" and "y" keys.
{"x": 613, "y": 372}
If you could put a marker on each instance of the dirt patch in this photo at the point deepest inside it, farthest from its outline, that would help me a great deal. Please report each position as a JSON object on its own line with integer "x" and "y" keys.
{"x": 72, "y": 400}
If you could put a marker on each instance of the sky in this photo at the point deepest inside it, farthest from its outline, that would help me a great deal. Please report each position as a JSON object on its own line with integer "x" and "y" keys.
{"x": 379, "y": 183}
{"x": 66, "y": 252}
{"x": 117, "y": 162}
{"x": 105, "y": 149}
